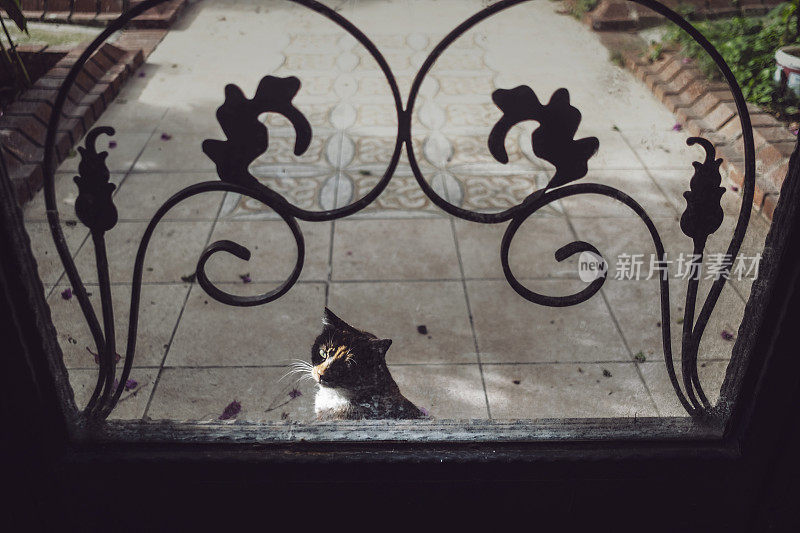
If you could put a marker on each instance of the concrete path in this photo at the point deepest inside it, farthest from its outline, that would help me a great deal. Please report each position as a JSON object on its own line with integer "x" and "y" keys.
{"x": 401, "y": 263}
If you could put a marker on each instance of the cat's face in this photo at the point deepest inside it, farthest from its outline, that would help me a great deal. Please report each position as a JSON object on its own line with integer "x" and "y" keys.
{"x": 345, "y": 357}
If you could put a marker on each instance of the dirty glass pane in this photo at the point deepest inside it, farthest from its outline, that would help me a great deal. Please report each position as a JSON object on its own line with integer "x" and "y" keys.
{"x": 464, "y": 344}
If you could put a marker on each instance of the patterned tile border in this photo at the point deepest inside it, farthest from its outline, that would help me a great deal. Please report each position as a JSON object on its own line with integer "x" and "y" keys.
{"x": 707, "y": 108}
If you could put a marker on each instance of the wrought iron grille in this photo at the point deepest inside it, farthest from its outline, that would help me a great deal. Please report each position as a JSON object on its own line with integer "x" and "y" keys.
{"x": 247, "y": 138}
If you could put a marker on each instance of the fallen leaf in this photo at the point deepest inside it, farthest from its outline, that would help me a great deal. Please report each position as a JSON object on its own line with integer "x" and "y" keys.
{"x": 231, "y": 410}
{"x": 606, "y": 373}
{"x": 422, "y": 329}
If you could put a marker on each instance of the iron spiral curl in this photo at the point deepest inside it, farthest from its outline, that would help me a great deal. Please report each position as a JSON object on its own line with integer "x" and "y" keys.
{"x": 554, "y": 143}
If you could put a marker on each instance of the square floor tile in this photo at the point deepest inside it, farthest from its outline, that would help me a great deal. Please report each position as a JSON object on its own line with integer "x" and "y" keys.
{"x": 132, "y": 117}
{"x": 613, "y": 153}
{"x": 710, "y": 373}
{"x": 273, "y": 250}
{"x": 120, "y": 158}
{"x": 394, "y": 250}
{"x": 142, "y": 194}
{"x": 131, "y": 404}
{"x": 182, "y": 152}
{"x": 619, "y": 240}
{"x": 172, "y": 252}
{"x": 160, "y": 306}
{"x": 637, "y": 308}
{"x": 216, "y": 334}
{"x": 444, "y": 391}
{"x": 203, "y": 394}
{"x": 660, "y": 147}
{"x": 44, "y": 250}
{"x": 511, "y": 329}
{"x": 635, "y": 183}
{"x": 566, "y": 391}
{"x": 531, "y": 254}
{"x": 396, "y": 311}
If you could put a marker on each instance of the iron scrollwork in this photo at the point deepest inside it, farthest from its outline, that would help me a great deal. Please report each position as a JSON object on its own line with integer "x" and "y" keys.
{"x": 247, "y": 138}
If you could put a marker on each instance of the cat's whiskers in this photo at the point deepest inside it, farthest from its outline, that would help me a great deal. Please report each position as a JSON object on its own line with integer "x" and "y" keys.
{"x": 298, "y": 366}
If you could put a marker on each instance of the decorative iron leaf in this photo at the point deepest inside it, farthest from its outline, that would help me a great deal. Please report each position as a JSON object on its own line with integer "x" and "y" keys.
{"x": 247, "y": 136}
{"x": 553, "y": 140}
{"x": 94, "y": 206}
{"x": 703, "y": 215}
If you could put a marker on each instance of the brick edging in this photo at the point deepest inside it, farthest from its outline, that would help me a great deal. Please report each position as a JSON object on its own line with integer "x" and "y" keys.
{"x": 706, "y": 108}
{"x": 23, "y": 127}
{"x": 162, "y": 16}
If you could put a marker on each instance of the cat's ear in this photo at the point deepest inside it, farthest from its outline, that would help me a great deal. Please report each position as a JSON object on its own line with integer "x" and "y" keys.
{"x": 381, "y": 346}
{"x": 331, "y": 320}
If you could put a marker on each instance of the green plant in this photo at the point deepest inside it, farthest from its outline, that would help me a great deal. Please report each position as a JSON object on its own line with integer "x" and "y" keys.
{"x": 654, "y": 51}
{"x": 581, "y": 7}
{"x": 616, "y": 58}
{"x": 748, "y": 45}
{"x": 12, "y": 62}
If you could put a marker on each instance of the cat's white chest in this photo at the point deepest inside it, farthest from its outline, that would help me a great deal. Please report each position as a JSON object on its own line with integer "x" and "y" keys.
{"x": 330, "y": 399}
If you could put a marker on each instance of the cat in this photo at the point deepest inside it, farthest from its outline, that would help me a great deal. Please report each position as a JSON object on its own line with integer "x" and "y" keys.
{"x": 349, "y": 367}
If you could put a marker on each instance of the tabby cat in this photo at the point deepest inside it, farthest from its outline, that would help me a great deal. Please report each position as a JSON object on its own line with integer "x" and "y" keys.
{"x": 349, "y": 366}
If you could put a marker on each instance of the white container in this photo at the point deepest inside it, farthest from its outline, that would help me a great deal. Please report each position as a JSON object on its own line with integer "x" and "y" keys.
{"x": 787, "y": 73}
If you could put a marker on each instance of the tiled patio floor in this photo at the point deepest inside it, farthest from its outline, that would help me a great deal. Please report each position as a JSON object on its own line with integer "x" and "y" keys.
{"x": 401, "y": 262}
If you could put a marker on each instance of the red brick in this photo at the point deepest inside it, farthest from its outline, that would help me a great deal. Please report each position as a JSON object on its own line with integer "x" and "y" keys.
{"x": 770, "y": 134}
{"x": 769, "y": 205}
{"x": 85, "y": 6}
{"x": 777, "y": 175}
{"x": 732, "y": 130}
{"x": 774, "y": 154}
{"x": 93, "y": 70}
{"x": 58, "y": 5}
{"x": 73, "y": 128}
{"x": 20, "y": 147}
{"x": 720, "y": 115}
{"x": 29, "y": 126}
{"x": 107, "y": 6}
{"x": 83, "y": 18}
{"x": 40, "y": 110}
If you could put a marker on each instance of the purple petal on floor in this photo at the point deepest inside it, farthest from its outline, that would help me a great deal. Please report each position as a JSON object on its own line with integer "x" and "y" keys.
{"x": 294, "y": 393}
{"x": 424, "y": 411}
{"x": 231, "y": 411}
{"x": 131, "y": 384}
{"x": 166, "y": 136}
{"x": 67, "y": 294}
{"x": 245, "y": 278}
{"x": 112, "y": 144}
{"x": 677, "y": 127}
{"x": 727, "y": 335}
